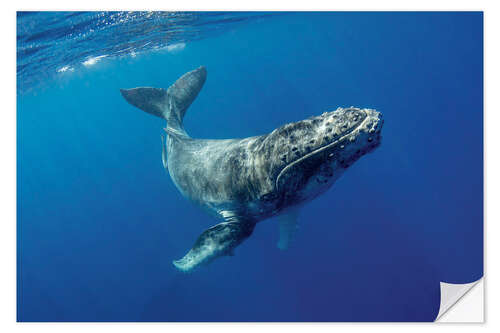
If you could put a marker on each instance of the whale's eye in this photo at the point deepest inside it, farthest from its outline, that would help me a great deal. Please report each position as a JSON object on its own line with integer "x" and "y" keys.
{"x": 269, "y": 197}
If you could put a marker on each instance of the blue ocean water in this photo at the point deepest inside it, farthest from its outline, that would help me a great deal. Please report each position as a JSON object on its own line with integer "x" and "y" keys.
{"x": 99, "y": 220}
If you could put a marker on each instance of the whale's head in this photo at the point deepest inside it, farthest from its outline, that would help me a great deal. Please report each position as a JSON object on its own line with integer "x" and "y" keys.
{"x": 309, "y": 155}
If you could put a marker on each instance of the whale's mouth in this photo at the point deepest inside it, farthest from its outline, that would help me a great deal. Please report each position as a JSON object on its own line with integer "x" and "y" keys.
{"x": 361, "y": 139}
{"x": 335, "y": 140}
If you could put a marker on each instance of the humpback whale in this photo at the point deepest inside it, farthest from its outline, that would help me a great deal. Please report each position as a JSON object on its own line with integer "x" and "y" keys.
{"x": 245, "y": 181}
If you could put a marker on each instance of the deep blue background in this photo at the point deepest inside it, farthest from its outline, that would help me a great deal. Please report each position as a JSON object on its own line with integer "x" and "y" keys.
{"x": 99, "y": 220}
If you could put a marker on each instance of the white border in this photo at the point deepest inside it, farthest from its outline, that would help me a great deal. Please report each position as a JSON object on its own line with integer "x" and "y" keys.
{"x": 7, "y": 142}
{"x": 466, "y": 306}
{"x": 254, "y": 5}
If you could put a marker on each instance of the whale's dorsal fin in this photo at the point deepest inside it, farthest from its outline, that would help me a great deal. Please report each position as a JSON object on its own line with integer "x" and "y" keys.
{"x": 172, "y": 103}
{"x": 175, "y": 133}
{"x": 164, "y": 152}
{"x": 288, "y": 228}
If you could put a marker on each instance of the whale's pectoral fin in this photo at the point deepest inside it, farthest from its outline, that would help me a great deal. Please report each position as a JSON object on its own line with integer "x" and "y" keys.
{"x": 219, "y": 240}
{"x": 288, "y": 228}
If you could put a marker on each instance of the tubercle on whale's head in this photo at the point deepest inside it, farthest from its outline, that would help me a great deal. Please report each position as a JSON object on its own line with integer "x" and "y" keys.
{"x": 309, "y": 155}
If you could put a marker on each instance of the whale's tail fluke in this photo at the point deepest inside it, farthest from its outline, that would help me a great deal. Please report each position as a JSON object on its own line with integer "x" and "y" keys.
{"x": 172, "y": 103}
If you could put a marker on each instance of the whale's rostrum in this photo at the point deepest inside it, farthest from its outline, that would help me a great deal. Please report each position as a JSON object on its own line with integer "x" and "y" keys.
{"x": 245, "y": 181}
